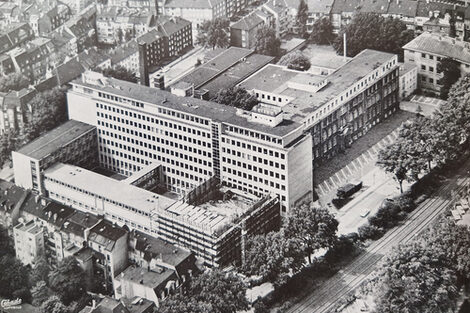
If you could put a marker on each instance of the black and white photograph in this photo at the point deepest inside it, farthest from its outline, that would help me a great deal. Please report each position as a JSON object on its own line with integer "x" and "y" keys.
{"x": 234, "y": 156}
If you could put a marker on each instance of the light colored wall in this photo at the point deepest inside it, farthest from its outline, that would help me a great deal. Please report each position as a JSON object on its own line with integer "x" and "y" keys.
{"x": 300, "y": 169}
{"x": 22, "y": 170}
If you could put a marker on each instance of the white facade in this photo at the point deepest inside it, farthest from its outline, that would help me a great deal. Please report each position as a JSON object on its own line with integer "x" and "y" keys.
{"x": 408, "y": 80}
{"x": 29, "y": 242}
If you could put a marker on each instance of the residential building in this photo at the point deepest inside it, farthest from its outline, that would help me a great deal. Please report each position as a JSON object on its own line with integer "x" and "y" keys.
{"x": 29, "y": 242}
{"x": 14, "y": 109}
{"x": 75, "y": 36}
{"x": 243, "y": 32}
{"x": 223, "y": 71}
{"x": 405, "y": 10}
{"x": 280, "y": 11}
{"x": 110, "y": 244}
{"x": 123, "y": 305}
{"x": 317, "y": 9}
{"x": 408, "y": 79}
{"x": 177, "y": 34}
{"x": 45, "y": 17}
{"x": 202, "y": 142}
{"x": 343, "y": 11}
{"x": 154, "y": 285}
{"x": 11, "y": 199}
{"x": 15, "y": 35}
{"x": 72, "y": 142}
{"x": 427, "y": 50}
{"x": 9, "y": 13}
{"x": 120, "y": 24}
{"x": 338, "y": 108}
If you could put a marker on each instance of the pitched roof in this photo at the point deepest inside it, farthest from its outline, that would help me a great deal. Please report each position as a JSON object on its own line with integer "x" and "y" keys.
{"x": 441, "y": 45}
{"x": 424, "y": 8}
{"x": 10, "y": 195}
{"x": 171, "y": 25}
{"x": 248, "y": 22}
{"x": 106, "y": 234}
{"x": 320, "y": 6}
{"x": 192, "y": 4}
{"x": 123, "y": 51}
{"x": 406, "y": 8}
{"x": 151, "y": 279}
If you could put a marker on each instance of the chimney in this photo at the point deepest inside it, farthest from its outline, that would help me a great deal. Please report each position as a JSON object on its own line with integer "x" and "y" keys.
{"x": 143, "y": 65}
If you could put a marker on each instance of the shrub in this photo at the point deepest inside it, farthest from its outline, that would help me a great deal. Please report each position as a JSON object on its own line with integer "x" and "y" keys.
{"x": 370, "y": 232}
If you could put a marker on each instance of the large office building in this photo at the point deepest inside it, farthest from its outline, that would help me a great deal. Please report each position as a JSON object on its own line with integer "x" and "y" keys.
{"x": 259, "y": 152}
{"x": 335, "y": 109}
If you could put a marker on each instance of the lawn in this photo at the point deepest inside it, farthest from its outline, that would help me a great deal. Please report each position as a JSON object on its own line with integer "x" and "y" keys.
{"x": 375, "y": 134}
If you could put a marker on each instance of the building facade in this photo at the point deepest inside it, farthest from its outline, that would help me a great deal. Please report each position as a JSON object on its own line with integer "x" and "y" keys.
{"x": 408, "y": 79}
{"x": 427, "y": 50}
{"x": 29, "y": 242}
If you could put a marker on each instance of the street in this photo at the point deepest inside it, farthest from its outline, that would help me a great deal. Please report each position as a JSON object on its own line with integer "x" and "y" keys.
{"x": 324, "y": 299}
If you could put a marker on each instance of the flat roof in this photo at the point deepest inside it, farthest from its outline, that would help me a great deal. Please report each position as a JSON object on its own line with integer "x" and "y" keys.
{"x": 55, "y": 139}
{"x": 205, "y": 72}
{"x": 234, "y": 74}
{"x": 206, "y": 109}
{"x": 107, "y": 187}
{"x": 275, "y": 79}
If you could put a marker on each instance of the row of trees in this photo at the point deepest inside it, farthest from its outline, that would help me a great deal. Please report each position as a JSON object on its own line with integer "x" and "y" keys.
{"x": 277, "y": 255}
{"x": 426, "y": 274}
{"x": 424, "y": 140}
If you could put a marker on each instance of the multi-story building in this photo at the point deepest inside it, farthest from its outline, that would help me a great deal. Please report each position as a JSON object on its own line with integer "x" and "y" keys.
{"x": 29, "y": 242}
{"x": 73, "y": 142}
{"x": 338, "y": 108}
{"x": 14, "y": 110}
{"x": 243, "y": 32}
{"x": 15, "y": 35}
{"x": 281, "y": 13}
{"x": 193, "y": 139}
{"x": 408, "y": 79}
{"x": 44, "y": 18}
{"x": 9, "y": 13}
{"x": 177, "y": 34}
{"x": 317, "y": 9}
{"x": 120, "y": 24}
{"x": 75, "y": 36}
{"x": 11, "y": 199}
{"x": 427, "y": 50}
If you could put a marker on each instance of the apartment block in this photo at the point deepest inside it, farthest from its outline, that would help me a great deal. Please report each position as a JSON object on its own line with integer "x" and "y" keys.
{"x": 408, "y": 79}
{"x": 73, "y": 142}
{"x": 427, "y": 50}
{"x": 13, "y": 109}
{"x": 335, "y": 109}
{"x": 29, "y": 242}
{"x": 243, "y": 32}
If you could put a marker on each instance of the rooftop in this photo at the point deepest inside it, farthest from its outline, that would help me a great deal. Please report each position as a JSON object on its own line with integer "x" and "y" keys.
{"x": 193, "y": 106}
{"x": 407, "y": 8}
{"x": 10, "y": 195}
{"x": 108, "y": 188}
{"x": 78, "y": 222}
{"x": 440, "y": 45}
{"x": 278, "y": 79}
{"x": 55, "y": 139}
{"x": 320, "y": 6}
{"x": 29, "y": 227}
{"x": 406, "y": 67}
{"x": 248, "y": 22}
{"x": 151, "y": 279}
{"x": 106, "y": 234}
{"x": 192, "y": 4}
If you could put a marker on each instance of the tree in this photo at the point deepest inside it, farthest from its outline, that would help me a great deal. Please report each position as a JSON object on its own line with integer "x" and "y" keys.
{"x": 48, "y": 110}
{"x": 236, "y": 97}
{"x": 5, "y": 245}
{"x": 372, "y": 31}
{"x": 40, "y": 271}
{"x": 322, "y": 32}
{"x": 267, "y": 42}
{"x": 13, "y": 82}
{"x": 40, "y": 293}
{"x": 214, "y": 33}
{"x": 119, "y": 36}
{"x": 68, "y": 280}
{"x": 53, "y": 305}
{"x": 273, "y": 256}
{"x": 301, "y": 20}
{"x": 314, "y": 227}
{"x": 224, "y": 291}
{"x": 295, "y": 60}
{"x": 451, "y": 74}
{"x": 14, "y": 278}
{"x": 120, "y": 72}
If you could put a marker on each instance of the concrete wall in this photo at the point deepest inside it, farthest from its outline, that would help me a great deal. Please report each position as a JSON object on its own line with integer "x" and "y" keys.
{"x": 300, "y": 171}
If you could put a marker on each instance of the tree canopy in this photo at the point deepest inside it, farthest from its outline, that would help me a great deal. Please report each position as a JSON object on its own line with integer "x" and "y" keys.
{"x": 372, "y": 31}
{"x": 451, "y": 74}
{"x": 267, "y": 42}
{"x": 273, "y": 257}
{"x": 236, "y": 97}
{"x": 301, "y": 19}
{"x": 120, "y": 72}
{"x": 13, "y": 82}
{"x": 68, "y": 280}
{"x": 14, "y": 278}
{"x": 212, "y": 292}
{"x": 214, "y": 33}
{"x": 315, "y": 227}
{"x": 295, "y": 60}
{"x": 322, "y": 32}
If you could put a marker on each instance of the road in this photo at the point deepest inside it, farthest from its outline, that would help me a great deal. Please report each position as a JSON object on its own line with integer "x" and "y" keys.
{"x": 324, "y": 299}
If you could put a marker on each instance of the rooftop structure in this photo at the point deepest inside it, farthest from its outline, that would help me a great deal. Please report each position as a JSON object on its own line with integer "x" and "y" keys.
{"x": 55, "y": 139}
{"x": 106, "y": 234}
